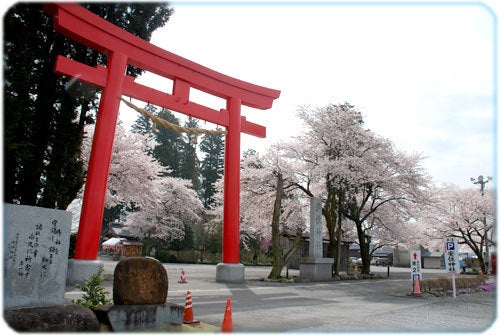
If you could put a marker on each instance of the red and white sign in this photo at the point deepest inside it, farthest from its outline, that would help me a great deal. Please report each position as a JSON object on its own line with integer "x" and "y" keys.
{"x": 415, "y": 265}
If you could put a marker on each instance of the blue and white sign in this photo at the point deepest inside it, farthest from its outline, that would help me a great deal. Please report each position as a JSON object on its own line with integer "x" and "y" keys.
{"x": 451, "y": 258}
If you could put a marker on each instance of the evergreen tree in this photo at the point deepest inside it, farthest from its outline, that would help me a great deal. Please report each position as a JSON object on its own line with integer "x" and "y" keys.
{"x": 212, "y": 166}
{"x": 187, "y": 242}
{"x": 189, "y": 162}
{"x": 169, "y": 148}
{"x": 44, "y": 117}
{"x": 143, "y": 125}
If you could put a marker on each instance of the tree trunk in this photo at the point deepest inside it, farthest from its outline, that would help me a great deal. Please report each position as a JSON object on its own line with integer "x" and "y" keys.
{"x": 275, "y": 230}
{"x": 476, "y": 247}
{"x": 330, "y": 212}
{"x": 482, "y": 264}
{"x": 338, "y": 239}
{"x": 296, "y": 245}
{"x": 364, "y": 248}
{"x": 281, "y": 258}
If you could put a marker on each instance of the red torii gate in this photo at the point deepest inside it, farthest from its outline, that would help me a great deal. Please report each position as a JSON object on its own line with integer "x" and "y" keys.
{"x": 122, "y": 49}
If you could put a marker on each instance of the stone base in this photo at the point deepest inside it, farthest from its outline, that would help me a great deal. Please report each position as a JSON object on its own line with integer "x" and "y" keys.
{"x": 316, "y": 269}
{"x": 230, "y": 273}
{"x": 132, "y": 317}
{"x": 64, "y": 318}
{"x": 79, "y": 269}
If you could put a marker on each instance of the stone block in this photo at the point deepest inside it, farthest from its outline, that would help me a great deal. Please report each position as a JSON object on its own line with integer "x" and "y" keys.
{"x": 133, "y": 317}
{"x": 35, "y": 262}
{"x": 62, "y": 318}
{"x": 316, "y": 269}
{"x": 140, "y": 281}
{"x": 81, "y": 269}
{"x": 230, "y": 273}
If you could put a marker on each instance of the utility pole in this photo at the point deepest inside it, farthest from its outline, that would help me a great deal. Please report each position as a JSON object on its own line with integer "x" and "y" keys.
{"x": 481, "y": 181}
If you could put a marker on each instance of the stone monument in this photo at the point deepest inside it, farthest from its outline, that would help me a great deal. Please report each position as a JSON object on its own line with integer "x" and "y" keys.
{"x": 35, "y": 255}
{"x": 316, "y": 267}
{"x": 35, "y": 263}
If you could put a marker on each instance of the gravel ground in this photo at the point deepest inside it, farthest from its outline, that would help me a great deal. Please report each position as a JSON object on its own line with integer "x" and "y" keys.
{"x": 473, "y": 312}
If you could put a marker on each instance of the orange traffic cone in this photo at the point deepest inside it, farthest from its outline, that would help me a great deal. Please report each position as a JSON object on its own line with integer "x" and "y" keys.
{"x": 183, "y": 278}
{"x": 227, "y": 323}
{"x": 188, "y": 310}
{"x": 416, "y": 287}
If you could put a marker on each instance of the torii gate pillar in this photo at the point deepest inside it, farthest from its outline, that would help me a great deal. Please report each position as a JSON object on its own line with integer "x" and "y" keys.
{"x": 125, "y": 49}
{"x": 231, "y": 270}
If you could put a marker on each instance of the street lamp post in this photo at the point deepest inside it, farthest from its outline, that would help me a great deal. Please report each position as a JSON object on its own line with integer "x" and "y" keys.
{"x": 481, "y": 181}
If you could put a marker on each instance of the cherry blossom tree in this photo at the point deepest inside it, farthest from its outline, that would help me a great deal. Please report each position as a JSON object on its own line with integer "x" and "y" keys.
{"x": 132, "y": 171}
{"x": 161, "y": 203}
{"x": 398, "y": 182}
{"x": 355, "y": 172}
{"x": 166, "y": 216}
{"x": 270, "y": 203}
{"x": 466, "y": 214}
{"x": 388, "y": 226}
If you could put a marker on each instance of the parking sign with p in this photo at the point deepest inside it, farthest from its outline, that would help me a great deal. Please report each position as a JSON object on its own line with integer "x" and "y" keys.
{"x": 451, "y": 258}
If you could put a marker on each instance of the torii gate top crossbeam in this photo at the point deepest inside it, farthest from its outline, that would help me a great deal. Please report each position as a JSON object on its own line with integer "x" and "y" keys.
{"x": 86, "y": 28}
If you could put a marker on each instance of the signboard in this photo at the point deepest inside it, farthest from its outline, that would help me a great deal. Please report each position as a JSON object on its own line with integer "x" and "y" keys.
{"x": 416, "y": 265}
{"x": 451, "y": 258}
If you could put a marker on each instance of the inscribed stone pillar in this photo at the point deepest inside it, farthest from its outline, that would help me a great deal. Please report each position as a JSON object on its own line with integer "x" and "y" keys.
{"x": 316, "y": 267}
{"x": 316, "y": 229}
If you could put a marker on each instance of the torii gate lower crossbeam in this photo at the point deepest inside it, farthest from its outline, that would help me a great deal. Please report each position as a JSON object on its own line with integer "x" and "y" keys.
{"x": 123, "y": 49}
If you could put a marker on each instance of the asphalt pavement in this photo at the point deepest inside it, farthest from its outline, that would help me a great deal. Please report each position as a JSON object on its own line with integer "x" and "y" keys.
{"x": 380, "y": 305}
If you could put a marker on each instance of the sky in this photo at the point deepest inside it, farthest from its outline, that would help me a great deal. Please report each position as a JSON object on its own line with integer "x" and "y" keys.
{"x": 422, "y": 74}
